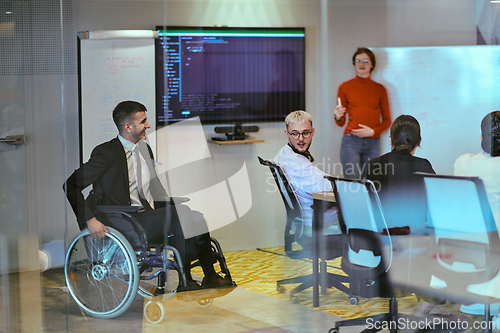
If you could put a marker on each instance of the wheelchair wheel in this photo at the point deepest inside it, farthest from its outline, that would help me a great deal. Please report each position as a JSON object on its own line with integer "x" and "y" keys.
{"x": 102, "y": 274}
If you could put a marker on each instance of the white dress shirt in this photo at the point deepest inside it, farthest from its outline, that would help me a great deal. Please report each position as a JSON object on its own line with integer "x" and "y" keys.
{"x": 487, "y": 168}
{"x": 129, "y": 148}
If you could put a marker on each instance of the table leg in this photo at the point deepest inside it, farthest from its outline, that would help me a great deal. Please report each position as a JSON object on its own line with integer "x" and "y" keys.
{"x": 316, "y": 229}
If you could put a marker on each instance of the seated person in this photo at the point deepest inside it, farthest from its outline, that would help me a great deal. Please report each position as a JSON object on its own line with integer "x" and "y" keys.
{"x": 121, "y": 172}
{"x": 485, "y": 165}
{"x": 305, "y": 178}
{"x": 401, "y": 193}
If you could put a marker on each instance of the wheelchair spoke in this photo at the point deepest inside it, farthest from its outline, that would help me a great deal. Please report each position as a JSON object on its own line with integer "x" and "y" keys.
{"x": 102, "y": 275}
{"x": 100, "y": 299}
{"x": 111, "y": 288}
{"x": 78, "y": 270}
{"x": 117, "y": 300}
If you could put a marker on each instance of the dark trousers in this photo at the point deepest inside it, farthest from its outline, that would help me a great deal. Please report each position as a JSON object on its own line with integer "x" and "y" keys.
{"x": 170, "y": 225}
{"x": 355, "y": 153}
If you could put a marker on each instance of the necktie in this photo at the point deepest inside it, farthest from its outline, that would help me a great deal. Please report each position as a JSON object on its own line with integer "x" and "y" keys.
{"x": 142, "y": 197}
{"x": 130, "y": 166}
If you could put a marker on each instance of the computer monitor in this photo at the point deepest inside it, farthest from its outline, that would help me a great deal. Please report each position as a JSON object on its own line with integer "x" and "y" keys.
{"x": 229, "y": 75}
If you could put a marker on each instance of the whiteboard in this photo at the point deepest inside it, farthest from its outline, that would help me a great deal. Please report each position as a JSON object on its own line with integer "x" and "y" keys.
{"x": 448, "y": 89}
{"x": 112, "y": 71}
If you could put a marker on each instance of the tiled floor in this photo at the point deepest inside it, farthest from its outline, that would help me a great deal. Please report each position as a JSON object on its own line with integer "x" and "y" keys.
{"x": 33, "y": 304}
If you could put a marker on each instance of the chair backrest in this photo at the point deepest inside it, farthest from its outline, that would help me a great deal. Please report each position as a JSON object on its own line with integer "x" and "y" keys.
{"x": 466, "y": 236}
{"x": 362, "y": 220}
{"x": 294, "y": 216}
{"x": 367, "y": 255}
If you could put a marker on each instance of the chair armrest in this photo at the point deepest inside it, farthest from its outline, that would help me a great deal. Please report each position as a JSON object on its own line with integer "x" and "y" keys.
{"x": 172, "y": 200}
{"x": 126, "y": 209}
{"x": 135, "y": 209}
{"x": 127, "y": 224}
{"x": 178, "y": 200}
{"x": 397, "y": 231}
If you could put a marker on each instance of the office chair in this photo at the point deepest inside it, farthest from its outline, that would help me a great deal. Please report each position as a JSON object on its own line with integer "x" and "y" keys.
{"x": 466, "y": 241}
{"x": 293, "y": 231}
{"x": 367, "y": 254}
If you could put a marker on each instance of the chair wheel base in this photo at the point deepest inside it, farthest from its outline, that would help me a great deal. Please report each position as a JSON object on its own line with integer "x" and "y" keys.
{"x": 281, "y": 290}
{"x": 295, "y": 300}
{"x": 353, "y": 300}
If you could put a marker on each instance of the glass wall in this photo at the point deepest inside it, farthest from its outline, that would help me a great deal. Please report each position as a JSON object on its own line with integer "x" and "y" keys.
{"x": 40, "y": 102}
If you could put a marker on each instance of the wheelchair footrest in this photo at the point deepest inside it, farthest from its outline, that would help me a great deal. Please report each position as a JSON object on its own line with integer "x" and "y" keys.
{"x": 158, "y": 291}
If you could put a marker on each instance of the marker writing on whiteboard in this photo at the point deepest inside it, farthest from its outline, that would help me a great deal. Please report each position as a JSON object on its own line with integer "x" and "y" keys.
{"x": 339, "y": 101}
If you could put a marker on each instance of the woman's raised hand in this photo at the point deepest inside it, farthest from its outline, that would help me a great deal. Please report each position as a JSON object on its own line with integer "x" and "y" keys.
{"x": 339, "y": 112}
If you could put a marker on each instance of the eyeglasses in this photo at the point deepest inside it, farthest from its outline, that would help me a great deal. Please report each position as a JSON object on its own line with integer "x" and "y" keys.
{"x": 296, "y": 135}
{"x": 365, "y": 61}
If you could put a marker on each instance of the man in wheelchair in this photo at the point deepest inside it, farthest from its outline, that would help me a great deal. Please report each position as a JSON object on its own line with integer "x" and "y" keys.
{"x": 122, "y": 173}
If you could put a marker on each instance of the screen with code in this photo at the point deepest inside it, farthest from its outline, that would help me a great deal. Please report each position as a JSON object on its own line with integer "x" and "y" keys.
{"x": 229, "y": 75}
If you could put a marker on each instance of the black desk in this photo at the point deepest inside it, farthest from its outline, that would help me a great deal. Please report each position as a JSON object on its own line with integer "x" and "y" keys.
{"x": 321, "y": 202}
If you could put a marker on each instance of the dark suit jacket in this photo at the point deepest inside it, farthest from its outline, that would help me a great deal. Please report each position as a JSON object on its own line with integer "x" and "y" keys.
{"x": 401, "y": 192}
{"x": 107, "y": 171}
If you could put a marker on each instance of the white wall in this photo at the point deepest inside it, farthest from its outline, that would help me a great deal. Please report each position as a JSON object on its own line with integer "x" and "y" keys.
{"x": 350, "y": 24}
{"x": 53, "y": 153}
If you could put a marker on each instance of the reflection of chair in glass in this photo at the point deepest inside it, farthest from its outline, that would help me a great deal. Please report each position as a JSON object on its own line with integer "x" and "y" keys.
{"x": 293, "y": 232}
{"x": 367, "y": 254}
{"x": 466, "y": 242}
{"x": 104, "y": 275}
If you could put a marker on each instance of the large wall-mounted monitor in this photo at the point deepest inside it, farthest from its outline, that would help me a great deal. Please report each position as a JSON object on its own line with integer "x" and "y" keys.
{"x": 229, "y": 75}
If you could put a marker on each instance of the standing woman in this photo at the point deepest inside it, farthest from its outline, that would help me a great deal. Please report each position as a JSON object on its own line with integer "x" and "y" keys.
{"x": 366, "y": 106}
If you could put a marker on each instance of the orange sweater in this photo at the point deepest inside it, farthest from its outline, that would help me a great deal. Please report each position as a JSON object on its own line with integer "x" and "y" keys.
{"x": 365, "y": 101}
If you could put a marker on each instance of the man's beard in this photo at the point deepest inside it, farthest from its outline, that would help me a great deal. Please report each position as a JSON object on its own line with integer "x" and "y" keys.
{"x": 306, "y": 153}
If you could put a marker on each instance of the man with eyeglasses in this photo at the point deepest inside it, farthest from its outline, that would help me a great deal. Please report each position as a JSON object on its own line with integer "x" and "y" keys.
{"x": 305, "y": 177}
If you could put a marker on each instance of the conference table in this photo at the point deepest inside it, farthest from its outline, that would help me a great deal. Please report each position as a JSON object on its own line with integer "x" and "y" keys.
{"x": 410, "y": 253}
{"x": 415, "y": 246}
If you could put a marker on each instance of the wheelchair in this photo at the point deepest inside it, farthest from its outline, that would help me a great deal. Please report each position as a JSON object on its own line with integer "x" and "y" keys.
{"x": 104, "y": 275}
